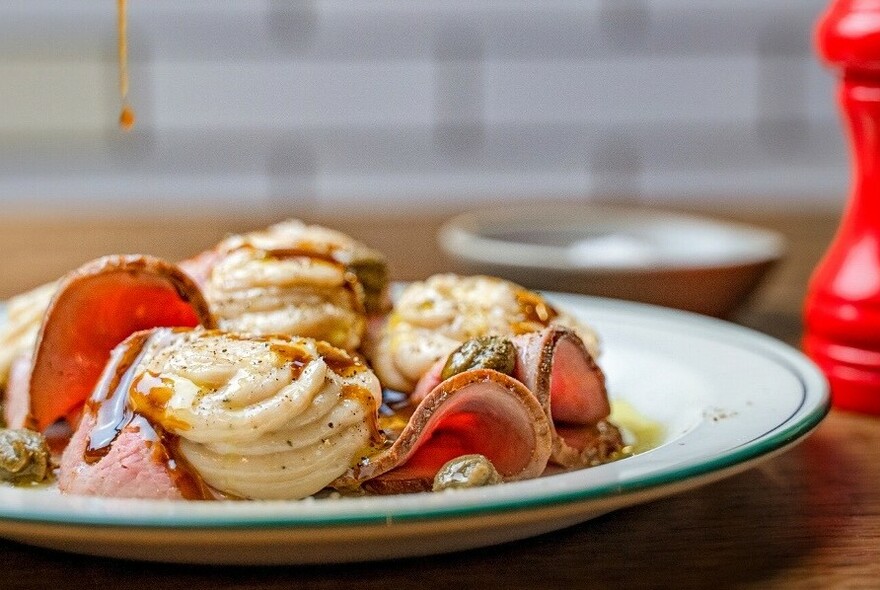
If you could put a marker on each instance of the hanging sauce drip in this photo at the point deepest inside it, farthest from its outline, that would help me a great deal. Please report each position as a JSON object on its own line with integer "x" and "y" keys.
{"x": 126, "y": 116}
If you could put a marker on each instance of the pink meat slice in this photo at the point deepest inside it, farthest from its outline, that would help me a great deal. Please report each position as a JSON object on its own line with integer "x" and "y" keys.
{"x": 130, "y": 469}
{"x": 479, "y": 411}
{"x": 555, "y": 366}
{"x": 429, "y": 381}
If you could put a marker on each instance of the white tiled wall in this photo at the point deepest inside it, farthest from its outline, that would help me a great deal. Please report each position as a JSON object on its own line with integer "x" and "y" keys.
{"x": 386, "y": 105}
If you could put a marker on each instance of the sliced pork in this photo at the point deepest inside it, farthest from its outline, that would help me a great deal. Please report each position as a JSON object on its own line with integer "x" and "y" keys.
{"x": 93, "y": 309}
{"x": 478, "y": 411}
{"x": 136, "y": 466}
{"x": 555, "y": 365}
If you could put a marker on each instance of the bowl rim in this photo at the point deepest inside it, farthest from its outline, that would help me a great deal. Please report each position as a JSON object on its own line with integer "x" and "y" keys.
{"x": 463, "y": 237}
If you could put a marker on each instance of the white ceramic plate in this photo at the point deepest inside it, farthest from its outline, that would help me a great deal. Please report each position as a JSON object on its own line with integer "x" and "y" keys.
{"x": 727, "y": 397}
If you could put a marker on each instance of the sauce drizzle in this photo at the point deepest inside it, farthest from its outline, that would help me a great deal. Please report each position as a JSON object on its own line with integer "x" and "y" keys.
{"x": 130, "y": 397}
{"x": 329, "y": 256}
{"x": 339, "y": 361}
{"x": 114, "y": 411}
{"x": 110, "y": 400}
{"x": 126, "y": 116}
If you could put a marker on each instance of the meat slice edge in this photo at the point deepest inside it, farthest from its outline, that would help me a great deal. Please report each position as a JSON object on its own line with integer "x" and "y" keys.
{"x": 556, "y": 367}
{"x": 478, "y": 411}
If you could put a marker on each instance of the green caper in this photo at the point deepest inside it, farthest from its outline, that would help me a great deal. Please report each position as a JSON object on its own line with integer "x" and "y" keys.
{"x": 372, "y": 273}
{"x": 24, "y": 456}
{"x": 487, "y": 352}
{"x": 467, "y": 471}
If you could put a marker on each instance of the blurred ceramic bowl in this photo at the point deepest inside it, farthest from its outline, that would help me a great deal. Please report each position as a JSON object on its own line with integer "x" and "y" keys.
{"x": 670, "y": 259}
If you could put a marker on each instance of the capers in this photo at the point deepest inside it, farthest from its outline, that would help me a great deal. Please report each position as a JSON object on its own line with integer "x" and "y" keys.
{"x": 24, "y": 456}
{"x": 487, "y": 352}
{"x": 372, "y": 273}
{"x": 467, "y": 471}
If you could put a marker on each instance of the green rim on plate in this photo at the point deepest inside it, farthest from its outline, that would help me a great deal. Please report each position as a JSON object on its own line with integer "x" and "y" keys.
{"x": 803, "y": 418}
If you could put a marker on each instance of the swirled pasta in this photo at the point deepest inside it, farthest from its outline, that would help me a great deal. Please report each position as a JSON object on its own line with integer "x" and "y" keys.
{"x": 432, "y": 318}
{"x": 294, "y": 279}
{"x": 259, "y": 418}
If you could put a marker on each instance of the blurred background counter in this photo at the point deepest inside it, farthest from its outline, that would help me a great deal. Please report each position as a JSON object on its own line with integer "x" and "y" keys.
{"x": 40, "y": 248}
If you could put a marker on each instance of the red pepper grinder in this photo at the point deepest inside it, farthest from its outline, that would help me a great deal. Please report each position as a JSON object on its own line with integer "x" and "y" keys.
{"x": 842, "y": 310}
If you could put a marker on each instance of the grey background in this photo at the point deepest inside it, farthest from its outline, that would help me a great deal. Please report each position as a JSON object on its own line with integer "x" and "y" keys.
{"x": 383, "y": 106}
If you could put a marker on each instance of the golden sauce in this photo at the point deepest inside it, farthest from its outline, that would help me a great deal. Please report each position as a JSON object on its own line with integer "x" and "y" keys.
{"x": 359, "y": 273}
{"x": 126, "y": 116}
{"x": 537, "y": 313}
{"x": 304, "y": 251}
{"x": 643, "y": 433}
{"x": 365, "y": 398}
{"x": 149, "y": 396}
{"x": 336, "y": 359}
{"x": 339, "y": 361}
{"x": 296, "y": 355}
{"x": 394, "y": 413}
{"x": 109, "y": 403}
{"x": 184, "y": 476}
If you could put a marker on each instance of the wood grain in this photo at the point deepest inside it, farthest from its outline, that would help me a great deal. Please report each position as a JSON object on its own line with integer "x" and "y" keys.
{"x": 807, "y": 519}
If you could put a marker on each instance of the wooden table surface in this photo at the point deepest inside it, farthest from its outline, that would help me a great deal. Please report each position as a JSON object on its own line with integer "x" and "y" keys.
{"x": 807, "y": 519}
